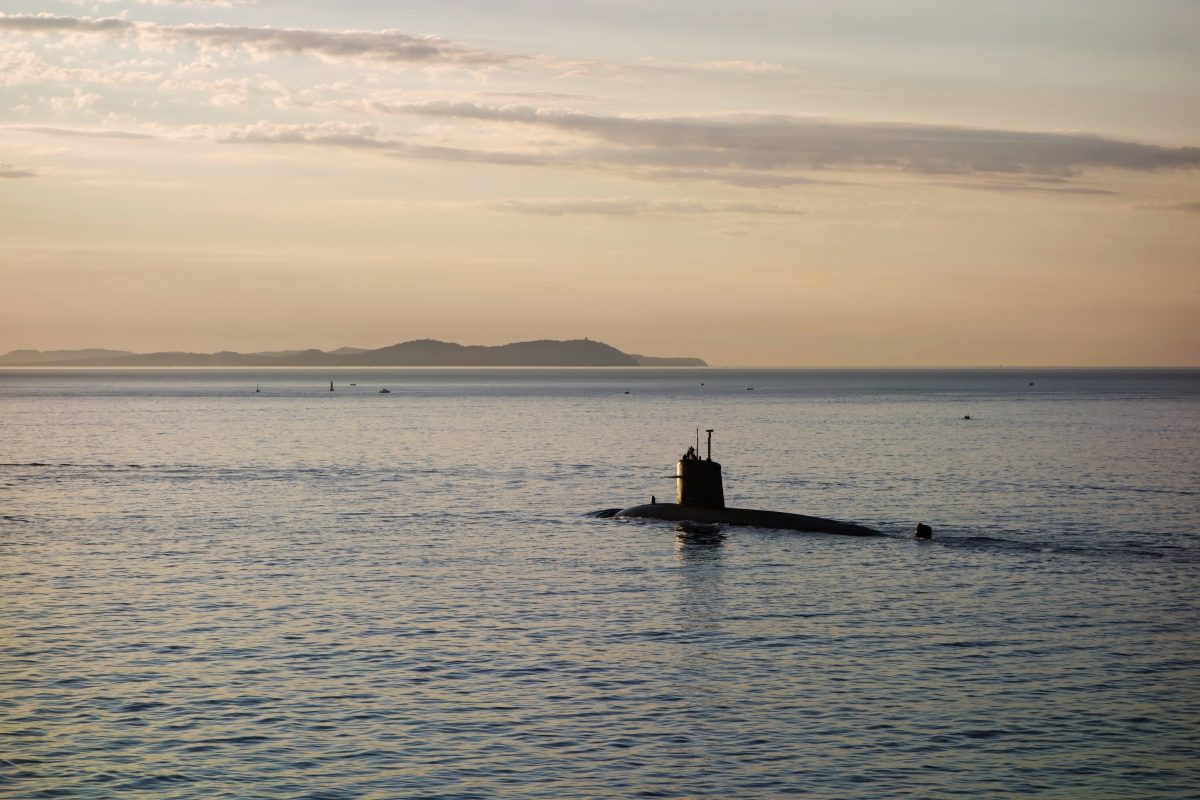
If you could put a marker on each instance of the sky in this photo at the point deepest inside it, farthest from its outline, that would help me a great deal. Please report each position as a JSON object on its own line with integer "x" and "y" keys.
{"x": 760, "y": 183}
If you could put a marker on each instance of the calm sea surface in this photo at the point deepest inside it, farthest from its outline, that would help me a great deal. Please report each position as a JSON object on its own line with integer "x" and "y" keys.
{"x": 211, "y": 592}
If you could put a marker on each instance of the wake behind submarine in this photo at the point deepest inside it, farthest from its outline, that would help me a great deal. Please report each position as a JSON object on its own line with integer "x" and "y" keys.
{"x": 700, "y": 497}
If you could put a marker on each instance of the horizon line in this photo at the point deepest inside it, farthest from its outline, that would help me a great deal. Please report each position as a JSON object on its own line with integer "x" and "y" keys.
{"x": 616, "y": 366}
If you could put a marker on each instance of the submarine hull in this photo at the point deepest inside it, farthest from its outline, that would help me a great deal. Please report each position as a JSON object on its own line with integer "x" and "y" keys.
{"x": 747, "y": 517}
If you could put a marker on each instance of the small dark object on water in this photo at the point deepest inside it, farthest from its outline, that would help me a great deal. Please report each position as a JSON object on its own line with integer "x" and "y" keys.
{"x": 331, "y": 386}
{"x": 627, "y": 393}
{"x": 923, "y": 531}
{"x": 966, "y": 416}
{"x": 1031, "y": 383}
{"x": 385, "y": 391}
{"x": 749, "y": 388}
{"x": 653, "y": 500}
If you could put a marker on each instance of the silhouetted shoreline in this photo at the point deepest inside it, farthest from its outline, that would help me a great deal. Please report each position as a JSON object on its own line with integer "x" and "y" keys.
{"x": 415, "y": 353}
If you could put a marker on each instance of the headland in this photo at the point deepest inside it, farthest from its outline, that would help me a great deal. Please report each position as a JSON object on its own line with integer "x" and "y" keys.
{"x": 415, "y": 353}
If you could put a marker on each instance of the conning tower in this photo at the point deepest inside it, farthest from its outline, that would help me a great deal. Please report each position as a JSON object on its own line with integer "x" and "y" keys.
{"x": 699, "y": 480}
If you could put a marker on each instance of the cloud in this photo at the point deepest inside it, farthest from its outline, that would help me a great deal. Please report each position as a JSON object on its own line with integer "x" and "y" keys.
{"x": 19, "y": 66}
{"x": 1027, "y": 187}
{"x": 741, "y": 178}
{"x": 1190, "y": 206}
{"x": 746, "y": 151}
{"x": 719, "y": 67}
{"x": 9, "y": 171}
{"x": 82, "y": 132}
{"x": 772, "y": 143}
{"x": 388, "y": 46}
{"x": 574, "y": 98}
{"x": 50, "y": 23}
{"x": 365, "y": 137}
{"x": 347, "y": 136}
{"x": 221, "y": 3}
{"x": 341, "y": 134}
{"x": 631, "y": 207}
{"x": 749, "y": 150}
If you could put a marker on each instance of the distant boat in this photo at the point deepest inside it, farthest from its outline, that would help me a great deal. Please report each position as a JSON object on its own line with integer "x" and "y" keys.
{"x": 385, "y": 391}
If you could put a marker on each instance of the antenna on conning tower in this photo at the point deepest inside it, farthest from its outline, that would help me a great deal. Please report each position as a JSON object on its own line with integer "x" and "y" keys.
{"x": 697, "y": 442}
{"x": 709, "y": 431}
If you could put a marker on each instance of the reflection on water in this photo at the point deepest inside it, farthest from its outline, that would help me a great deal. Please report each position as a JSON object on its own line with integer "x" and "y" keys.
{"x": 698, "y": 542}
{"x": 701, "y": 601}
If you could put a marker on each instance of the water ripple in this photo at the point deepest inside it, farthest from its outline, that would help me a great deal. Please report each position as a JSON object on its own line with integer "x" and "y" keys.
{"x": 203, "y": 596}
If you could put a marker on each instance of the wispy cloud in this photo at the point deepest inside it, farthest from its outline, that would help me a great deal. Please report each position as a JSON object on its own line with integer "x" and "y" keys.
{"x": 631, "y": 207}
{"x": 51, "y": 23}
{"x": 1027, "y": 187}
{"x": 745, "y": 179}
{"x": 219, "y": 3}
{"x": 781, "y": 142}
{"x": 22, "y": 67}
{"x": 1190, "y": 206}
{"x": 730, "y": 67}
{"x": 9, "y": 171}
{"x": 364, "y": 137}
{"x": 748, "y": 150}
{"x": 389, "y": 46}
{"x": 773, "y": 151}
{"x": 94, "y": 133}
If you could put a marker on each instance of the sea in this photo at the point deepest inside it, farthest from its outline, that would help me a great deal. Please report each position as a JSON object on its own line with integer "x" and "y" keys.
{"x": 240, "y": 584}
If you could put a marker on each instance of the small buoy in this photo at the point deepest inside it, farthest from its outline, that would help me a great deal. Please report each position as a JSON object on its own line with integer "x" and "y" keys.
{"x": 923, "y": 531}
{"x": 257, "y": 388}
{"x": 1031, "y": 383}
{"x": 627, "y": 393}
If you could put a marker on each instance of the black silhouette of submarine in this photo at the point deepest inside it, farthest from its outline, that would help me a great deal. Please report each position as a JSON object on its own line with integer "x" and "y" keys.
{"x": 700, "y": 498}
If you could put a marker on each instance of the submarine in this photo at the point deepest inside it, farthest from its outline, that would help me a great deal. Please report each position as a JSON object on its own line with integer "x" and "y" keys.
{"x": 700, "y": 497}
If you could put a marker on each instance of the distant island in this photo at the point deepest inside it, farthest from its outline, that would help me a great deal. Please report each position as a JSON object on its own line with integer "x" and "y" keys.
{"x": 417, "y": 353}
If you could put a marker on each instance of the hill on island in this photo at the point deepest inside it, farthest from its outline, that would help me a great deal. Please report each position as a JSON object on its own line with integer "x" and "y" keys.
{"x": 416, "y": 353}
